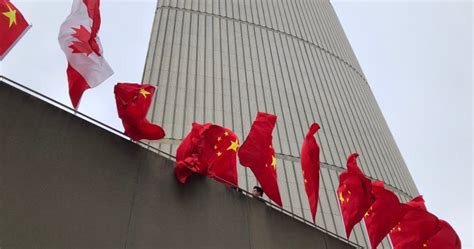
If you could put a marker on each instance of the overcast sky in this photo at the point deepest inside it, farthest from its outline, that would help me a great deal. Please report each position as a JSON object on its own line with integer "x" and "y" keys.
{"x": 417, "y": 57}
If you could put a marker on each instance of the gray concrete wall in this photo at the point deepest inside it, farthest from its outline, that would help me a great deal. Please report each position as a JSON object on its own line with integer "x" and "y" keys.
{"x": 65, "y": 183}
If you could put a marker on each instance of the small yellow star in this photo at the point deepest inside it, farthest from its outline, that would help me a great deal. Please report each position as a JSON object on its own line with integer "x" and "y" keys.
{"x": 11, "y": 14}
{"x": 144, "y": 92}
{"x": 215, "y": 147}
{"x": 233, "y": 145}
{"x": 396, "y": 228}
{"x": 274, "y": 162}
{"x": 226, "y": 133}
{"x": 305, "y": 181}
{"x": 219, "y": 138}
{"x": 219, "y": 153}
{"x": 425, "y": 245}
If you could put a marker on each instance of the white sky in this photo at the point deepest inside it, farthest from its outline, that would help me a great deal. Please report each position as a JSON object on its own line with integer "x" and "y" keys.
{"x": 417, "y": 57}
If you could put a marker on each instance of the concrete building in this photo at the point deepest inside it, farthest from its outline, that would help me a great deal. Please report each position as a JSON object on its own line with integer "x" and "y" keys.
{"x": 68, "y": 181}
{"x": 222, "y": 61}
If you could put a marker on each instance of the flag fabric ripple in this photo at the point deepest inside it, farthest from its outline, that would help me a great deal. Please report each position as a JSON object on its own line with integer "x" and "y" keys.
{"x": 445, "y": 238}
{"x": 258, "y": 154}
{"x": 310, "y": 167}
{"x": 354, "y": 194}
{"x": 78, "y": 38}
{"x": 12, "y": 26}
{"x": 209, "y": 150}
{"x": 384, "y": 214}
{"x": 416, "y": 226}
{"x": 133, "y": 101}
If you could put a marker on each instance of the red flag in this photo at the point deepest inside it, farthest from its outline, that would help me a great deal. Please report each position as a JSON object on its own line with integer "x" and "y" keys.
{"x": 209, "y": 150}
{"x": 310, "y": 166}
{"x": 133, "y": 102}
{"x": 416, "y": 226}
{"x": 78, "y": 39}
{"x": 445, "y": 238}
{"x": 384, "y": 214}
{"x": 418, "y": 202}
{"x": 354, "y": 194}
{"x": 258, "y": 154}
{"x": 12, "y": 26}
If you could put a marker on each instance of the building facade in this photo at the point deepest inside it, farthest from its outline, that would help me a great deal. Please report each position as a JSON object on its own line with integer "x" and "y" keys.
{"x": 222, "y": 61}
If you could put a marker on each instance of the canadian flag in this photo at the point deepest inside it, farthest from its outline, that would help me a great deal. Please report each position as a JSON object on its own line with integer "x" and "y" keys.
{"x": 78, "y": 39}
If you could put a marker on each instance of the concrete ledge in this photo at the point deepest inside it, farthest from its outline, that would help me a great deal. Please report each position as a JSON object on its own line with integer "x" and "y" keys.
{"x": 65, "y": 183}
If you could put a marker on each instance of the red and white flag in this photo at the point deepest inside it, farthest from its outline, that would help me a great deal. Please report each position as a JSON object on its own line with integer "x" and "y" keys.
{"x": 78, "y": 39}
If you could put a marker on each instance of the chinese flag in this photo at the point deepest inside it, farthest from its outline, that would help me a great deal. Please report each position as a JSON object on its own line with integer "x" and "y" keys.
{"x": 310, "y": 167}
{"x": 354, "y": 194}
{"x": 209, "y": 150}
{"x": 258, "y": 154}
{"x": 384, "y": 214}
{"x": 416, "y": 226}
{"x": 87, "y": 67}
{"x": 133, "y": 102}
{"x": 12, "y": 26}
{"x": 445, "y": 238}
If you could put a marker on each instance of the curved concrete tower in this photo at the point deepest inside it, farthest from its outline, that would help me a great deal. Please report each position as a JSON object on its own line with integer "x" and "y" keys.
{"x": 221, "y": 61}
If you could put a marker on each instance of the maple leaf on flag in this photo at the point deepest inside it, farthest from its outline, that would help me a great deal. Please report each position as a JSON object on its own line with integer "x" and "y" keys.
{"x": 85, "y": 43}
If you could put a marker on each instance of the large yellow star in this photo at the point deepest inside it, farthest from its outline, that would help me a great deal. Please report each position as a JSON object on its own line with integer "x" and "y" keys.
{"x": 11, "y": 14}
{"x": 233, "y": 145}
{"x": 341, "y": 198}
{"x": 274, "y": 162}
{"x": 144, "y": 92}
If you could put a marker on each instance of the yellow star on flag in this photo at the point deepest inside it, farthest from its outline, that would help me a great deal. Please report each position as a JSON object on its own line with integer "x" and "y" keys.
{"x": 144, "y": 92}
{"x": 274, "y": 162}
{"x": 367, "y": 214}
{"x": 11, "y": 14}
{"x": 341, "y": 198}
{"x": 233, "y": 145}
{"x": 396, "y": 228}
{"x": 226, "y": 133}
{"x": 219, "y": 138}
{"x": 219, "y": 153}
